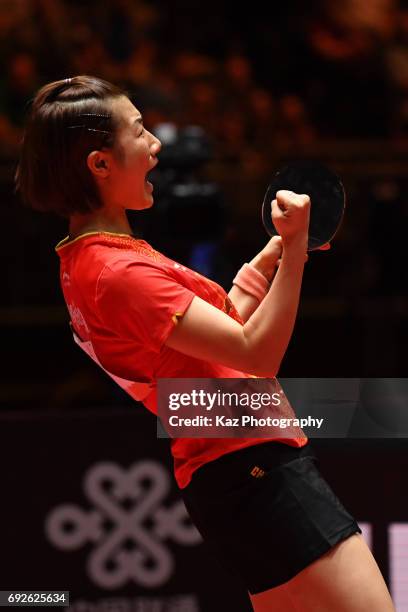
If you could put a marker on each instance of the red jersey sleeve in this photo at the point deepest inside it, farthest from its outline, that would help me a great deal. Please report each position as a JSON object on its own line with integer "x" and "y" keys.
{"x": 140, "y": 301}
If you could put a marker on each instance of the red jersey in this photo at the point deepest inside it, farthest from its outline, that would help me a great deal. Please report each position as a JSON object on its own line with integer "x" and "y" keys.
{"x": 125, "y": 297}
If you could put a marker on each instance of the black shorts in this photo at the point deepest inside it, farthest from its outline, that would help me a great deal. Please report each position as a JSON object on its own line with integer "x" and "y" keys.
{"x": 266, "y": 513}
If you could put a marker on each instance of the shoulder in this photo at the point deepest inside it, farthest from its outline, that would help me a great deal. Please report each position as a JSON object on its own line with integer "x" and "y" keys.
{"x": 127, "y": 280}
{"x": 122, "y": 268}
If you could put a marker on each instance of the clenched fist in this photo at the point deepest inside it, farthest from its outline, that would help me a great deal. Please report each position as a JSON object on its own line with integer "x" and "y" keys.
{"x": 290, "y": 215}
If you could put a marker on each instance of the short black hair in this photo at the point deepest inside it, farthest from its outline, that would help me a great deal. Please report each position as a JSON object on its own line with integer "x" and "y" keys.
{"x": 67, "y": 120}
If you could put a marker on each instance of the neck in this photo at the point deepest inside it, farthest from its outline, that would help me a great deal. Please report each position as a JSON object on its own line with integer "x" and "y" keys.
{"x": 99, "y": 221}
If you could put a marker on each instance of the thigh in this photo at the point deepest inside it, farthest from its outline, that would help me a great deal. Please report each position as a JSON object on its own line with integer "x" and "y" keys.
{"x": 274, "y": 600}
{"x": 345, "y": 579}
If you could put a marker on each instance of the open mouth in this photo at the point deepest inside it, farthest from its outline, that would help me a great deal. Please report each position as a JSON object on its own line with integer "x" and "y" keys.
{"x": 148, "y": 183}
{"x": 150, "y": 176}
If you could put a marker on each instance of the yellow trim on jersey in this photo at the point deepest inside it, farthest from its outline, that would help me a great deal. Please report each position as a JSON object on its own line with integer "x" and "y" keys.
{"x": 176, "y": 317}
{"x": 67, "y": 240}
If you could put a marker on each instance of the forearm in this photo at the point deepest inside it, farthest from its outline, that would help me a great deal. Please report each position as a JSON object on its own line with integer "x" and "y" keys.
{"x": 245, "y": 302}
{"x": 269, "y": 329}
{"x": 258, "y": 346}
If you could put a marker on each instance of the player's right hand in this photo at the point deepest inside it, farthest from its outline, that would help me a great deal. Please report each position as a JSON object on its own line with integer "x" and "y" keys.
{"x": 290, "y": 215}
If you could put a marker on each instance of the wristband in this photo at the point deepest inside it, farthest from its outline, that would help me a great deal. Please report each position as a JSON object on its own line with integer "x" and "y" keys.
{"x": 251, "y": 281}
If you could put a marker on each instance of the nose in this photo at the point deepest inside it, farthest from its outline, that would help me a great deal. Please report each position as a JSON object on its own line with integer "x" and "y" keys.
{"x": 155, "y": 145}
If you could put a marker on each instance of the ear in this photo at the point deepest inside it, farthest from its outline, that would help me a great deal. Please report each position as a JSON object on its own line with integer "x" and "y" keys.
{"x": 98, "y": 163}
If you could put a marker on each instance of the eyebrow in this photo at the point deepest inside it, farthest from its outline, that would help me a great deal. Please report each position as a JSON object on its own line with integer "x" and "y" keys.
{"x": 138, "y": 119}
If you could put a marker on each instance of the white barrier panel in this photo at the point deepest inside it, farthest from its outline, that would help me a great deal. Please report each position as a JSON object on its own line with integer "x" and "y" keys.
{"x": 398, "y": 548}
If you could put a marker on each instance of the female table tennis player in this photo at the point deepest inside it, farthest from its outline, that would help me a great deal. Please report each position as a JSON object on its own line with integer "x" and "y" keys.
{"x": 86, "y": 155}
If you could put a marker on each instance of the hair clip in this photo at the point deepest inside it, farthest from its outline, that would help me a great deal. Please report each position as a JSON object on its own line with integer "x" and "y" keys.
{"x": 101, "y": 131}
{"x": 94, "y": 115}
{"x": 70, "y": 127}
{"x": 68, "y": 81}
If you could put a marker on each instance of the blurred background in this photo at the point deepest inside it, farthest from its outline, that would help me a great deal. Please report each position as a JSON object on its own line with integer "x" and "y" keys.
{"x": 262, "y": 86}
{"x": 315, "y": 81}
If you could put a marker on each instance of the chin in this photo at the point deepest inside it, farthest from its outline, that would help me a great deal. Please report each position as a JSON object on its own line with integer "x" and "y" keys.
{"x": 149, "y": 202}
{"x": 146, "y": 202}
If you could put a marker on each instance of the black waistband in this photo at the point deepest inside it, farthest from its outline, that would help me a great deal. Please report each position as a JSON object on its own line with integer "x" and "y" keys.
{"x": 237, "y": 464}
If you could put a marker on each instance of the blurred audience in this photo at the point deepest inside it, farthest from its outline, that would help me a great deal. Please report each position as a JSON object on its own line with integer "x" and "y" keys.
{"x": 335, "y": 71}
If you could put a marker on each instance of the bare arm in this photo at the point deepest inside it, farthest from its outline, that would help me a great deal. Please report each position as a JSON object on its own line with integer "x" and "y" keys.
{"x": 259, "y": 345}
{"x": 266, "y": 263}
